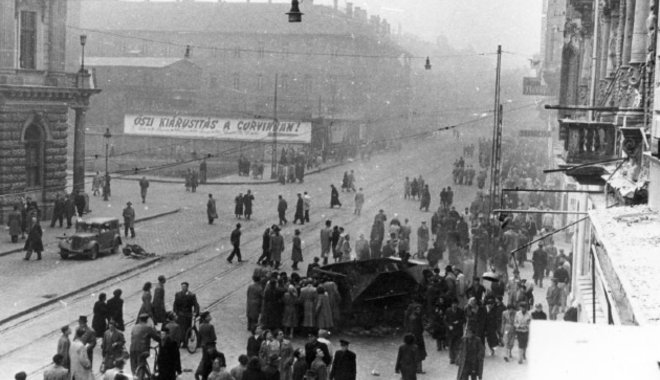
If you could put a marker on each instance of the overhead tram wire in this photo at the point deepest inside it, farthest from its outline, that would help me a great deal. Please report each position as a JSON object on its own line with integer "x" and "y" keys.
{"x": 277, "y": 52}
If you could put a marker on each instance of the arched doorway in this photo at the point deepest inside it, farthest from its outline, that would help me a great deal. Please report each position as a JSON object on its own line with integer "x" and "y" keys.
{"x": 34, "y": 138}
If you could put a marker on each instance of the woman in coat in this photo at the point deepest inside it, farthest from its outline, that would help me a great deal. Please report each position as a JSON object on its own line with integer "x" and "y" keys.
{"x": 276, "y": 248}
{"x": 334, "y": 197}
{"x": 509, "y": 330}
{"x": 425, "y": 198}
{"x": 160, "y": 314}
{"x": 33, "y": 242}
{"x": 346, "y": 249}
{"x": 322, "y": 310}
{"x": 296, "y": 250}
{"x": 238, "y": 208}
{"x": 308, "y": 295}
{"x": 407, "y": 358}
{"x": 290, "y": 317}
{"x": 147, "y": 307}
{"x": 100, "y": 318}
{"x": 14, "y": 224}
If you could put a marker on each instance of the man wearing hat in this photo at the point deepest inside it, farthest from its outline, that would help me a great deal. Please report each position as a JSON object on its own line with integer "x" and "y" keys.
{"x": 141, "y": 337}
{"x": 89, "y": 336}
{"x": 129, "y": 219}
{"x": 344, "y": 366}
{"x": 169, "y": 359}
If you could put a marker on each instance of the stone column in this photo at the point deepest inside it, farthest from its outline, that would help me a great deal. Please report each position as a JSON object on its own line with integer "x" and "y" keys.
{"x": 604, "y": 43}
{"x": 79, "y": 149}
{"x": 640, "y": 32}
{"x": 629, "y": 19}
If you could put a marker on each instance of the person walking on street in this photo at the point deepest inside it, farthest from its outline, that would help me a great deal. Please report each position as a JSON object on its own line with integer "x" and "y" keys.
{"x": 423, "y": 236}
{"x": 334, "y": 197}
{"x": 344, "y": 366}
{"x": 471, "y": 357}
{"x": 539, "y": 262}
{"x": 407, "y": 358}
{"x": 129, "y": 219}
{"x": 14, "y": 224}
{"x": 359, "y": 202}
{"x": 211, "y": 210}
{"x": 281, "y": 209}
{"x": 69, "y": 210}
{"x": 141, "y": 337}
{"x": 307, "y": 205}
{"x": 34, "y": 242}
{"x": 521, "y": 324}
{"x": 454, "y": 319}
{"x": 100, "y": 316}
{"x": 326, "y": 241}
{"x": 203, "y": 172}
{"x": 194, "y": 181}
{"x": 276, "y": 248}
{"x": 146, "y": 307}
{"x": 236, "y": 243}
{"x": 300, "y": 210}
{"x": 144, "y": 185}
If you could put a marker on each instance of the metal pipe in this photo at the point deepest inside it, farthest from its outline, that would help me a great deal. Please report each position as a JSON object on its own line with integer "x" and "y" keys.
{"x": 546, "y": 235}
{"x": 590, "y": 108}
{"x": 552, "y": 191}
{"x": 539, "y": 212}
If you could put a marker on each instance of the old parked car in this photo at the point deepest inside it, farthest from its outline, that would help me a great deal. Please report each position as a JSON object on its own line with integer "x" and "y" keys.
{"x": 92, "y": 237}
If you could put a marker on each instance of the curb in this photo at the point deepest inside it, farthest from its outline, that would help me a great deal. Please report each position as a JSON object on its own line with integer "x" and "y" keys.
{"x": 243, "y": 183}
{"x": 15, "y": 250}
{"x": 79, "y": 290}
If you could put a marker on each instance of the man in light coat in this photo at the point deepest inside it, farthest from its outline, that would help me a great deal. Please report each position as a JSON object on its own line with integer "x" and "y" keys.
{"x": 81, "y": 366}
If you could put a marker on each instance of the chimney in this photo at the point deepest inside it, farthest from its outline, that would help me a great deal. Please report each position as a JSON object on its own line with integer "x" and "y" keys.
{"x": 336, "y": 4}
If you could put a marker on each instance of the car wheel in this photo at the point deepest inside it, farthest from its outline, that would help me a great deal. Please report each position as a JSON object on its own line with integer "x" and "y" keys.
{"x": 64, "y": 254}
{"x": 94, "y": 254}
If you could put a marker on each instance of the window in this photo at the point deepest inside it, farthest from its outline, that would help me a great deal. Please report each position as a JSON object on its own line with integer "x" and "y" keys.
{"x": 28, "y": 40}
{"x": 236, "y": 81}
{"x": 260, "y": 81}
{"x": 34, "y": 155}
{"x": 261, "y": 49}
{"x": 237, "y": 52}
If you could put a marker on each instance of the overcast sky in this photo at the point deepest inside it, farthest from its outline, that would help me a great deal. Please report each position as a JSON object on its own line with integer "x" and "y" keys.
{"x": 482, "y": 24}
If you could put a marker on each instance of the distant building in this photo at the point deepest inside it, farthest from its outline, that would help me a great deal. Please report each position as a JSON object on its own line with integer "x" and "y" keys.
{"x": 334, "y": 65}
{"x": 35, "y": 97}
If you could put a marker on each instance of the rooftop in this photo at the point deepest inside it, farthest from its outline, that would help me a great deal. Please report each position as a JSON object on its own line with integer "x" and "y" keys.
{"x": 631, "y": 238}
{"x": 221, "y": 17}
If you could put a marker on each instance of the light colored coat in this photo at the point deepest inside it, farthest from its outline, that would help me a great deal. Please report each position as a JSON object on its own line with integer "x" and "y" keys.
{"x": 81, "y": 367}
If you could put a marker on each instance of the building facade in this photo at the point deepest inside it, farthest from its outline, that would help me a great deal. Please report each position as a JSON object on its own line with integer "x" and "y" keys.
{"x": 36, "y": 95}
{"x": 336, "y": 65}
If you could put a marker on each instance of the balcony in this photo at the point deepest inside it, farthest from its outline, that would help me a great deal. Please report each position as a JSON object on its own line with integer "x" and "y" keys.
{"x": 586, "y": 141}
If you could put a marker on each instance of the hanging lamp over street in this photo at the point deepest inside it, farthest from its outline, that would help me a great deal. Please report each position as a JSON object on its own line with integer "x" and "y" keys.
{"x": 427, "y": 66}
{"x": 294, "y": 14}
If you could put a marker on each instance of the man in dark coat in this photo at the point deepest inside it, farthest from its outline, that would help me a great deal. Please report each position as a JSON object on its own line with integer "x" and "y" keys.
{"x": 14, "y": 223}
{"x": 281, "y": 209}
{"x": 300, "y": 210}
{"x": 202, "y": 171}
{"x": 58, "y": 211}
{"x": 185, "y": 306}
{"x": 247, "y": 204}
{"x": 169, "y": 358}
{"x": 34, "y": 242}
{"x": 334, "y": 197}
{"x": 254, "y": 300}
{"x": 454, "y": 319}
{"x": 236, "y": 243}
{"x": 539, "y": 262}
{"x": 344, "y": 366}
{"x": 115, "y": 307}
{"x": 144, "y": 185}
{"x": 69, "y": 210}
{"x": 81, "y": 203}
{"x": 471, "y": 358}
{"x": 206, "y": 329}
{"x": 129, "y": 219}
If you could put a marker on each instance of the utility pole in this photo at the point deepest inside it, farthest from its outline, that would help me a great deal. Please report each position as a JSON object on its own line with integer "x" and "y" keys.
{"x": 273, "y": 163}
{"x": 496, "y": 156}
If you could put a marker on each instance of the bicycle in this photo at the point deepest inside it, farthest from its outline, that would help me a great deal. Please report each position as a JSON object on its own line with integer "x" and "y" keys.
{"x": 192, "y": 336}
{"x": 143, "y": 371}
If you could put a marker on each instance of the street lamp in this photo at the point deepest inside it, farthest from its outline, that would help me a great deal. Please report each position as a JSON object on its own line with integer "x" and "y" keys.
{"x": 106, "y": 184}
{"x": 83, "y": 41}
{"x": 294, "y": 14}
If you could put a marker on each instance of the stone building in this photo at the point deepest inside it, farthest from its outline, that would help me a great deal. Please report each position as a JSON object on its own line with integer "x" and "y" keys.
{"x": 337, "y": 64}
{"x": 35, "y": 97}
